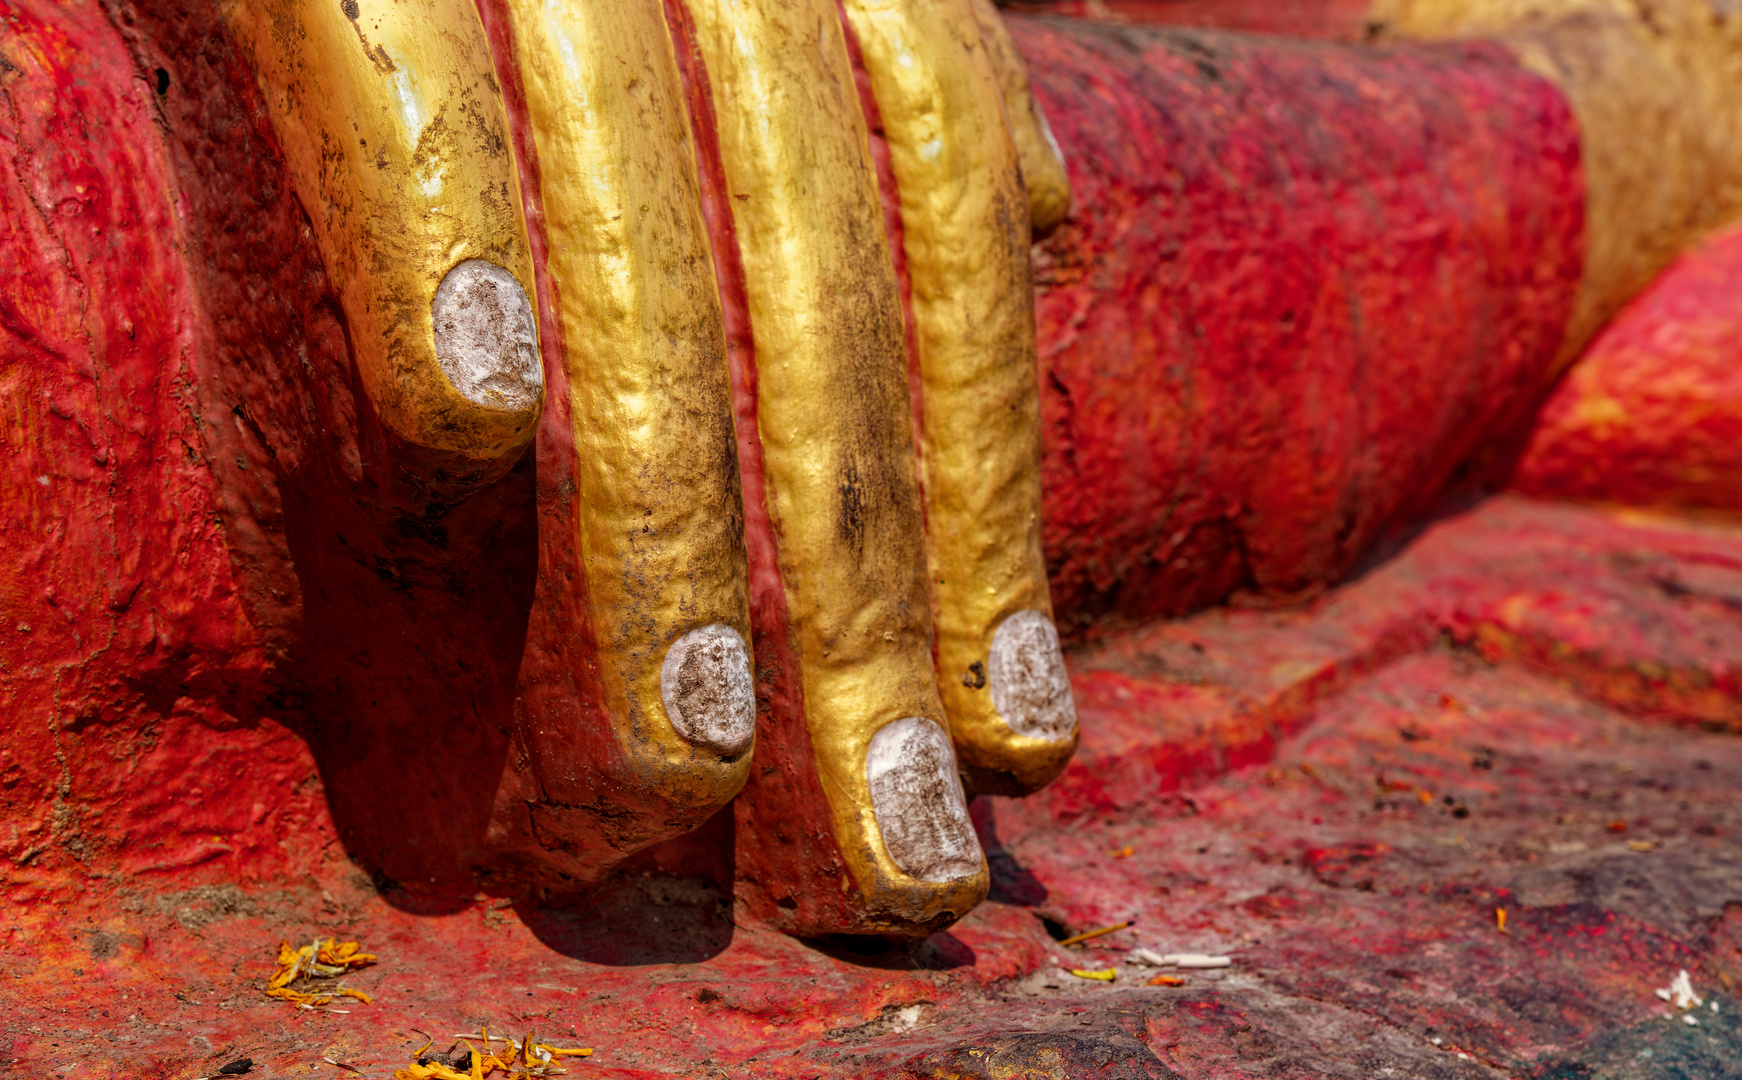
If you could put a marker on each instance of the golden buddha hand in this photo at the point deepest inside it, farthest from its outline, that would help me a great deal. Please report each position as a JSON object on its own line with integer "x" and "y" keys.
{"x": 716, "y": 288}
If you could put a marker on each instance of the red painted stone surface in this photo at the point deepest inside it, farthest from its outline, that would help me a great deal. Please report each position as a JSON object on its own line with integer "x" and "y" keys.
{"x": 404, "y": 612}
{"x": 1421, "y": 770}
{"x": 1327, "y": 19}
{"x": 1302, "y": 283}
{"x": 1652, "y": 413}
{"x": 141, "y": 736}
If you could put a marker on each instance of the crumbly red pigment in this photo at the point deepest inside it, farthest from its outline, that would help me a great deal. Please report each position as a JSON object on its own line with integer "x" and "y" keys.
{"x": 1302, "y": 283}
{"x": 140, "y": 692}
{"x": 172, "y": 800}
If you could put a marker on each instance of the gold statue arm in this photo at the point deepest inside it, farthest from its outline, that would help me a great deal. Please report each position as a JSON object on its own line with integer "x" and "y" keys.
{"x": 965, "y": 221}
{"x": 395, "y": 136}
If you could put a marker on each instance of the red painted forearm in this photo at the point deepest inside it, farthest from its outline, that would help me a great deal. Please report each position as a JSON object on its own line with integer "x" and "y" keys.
{"x": 1303, "y": 283}
{"x": 1651, "y": 415}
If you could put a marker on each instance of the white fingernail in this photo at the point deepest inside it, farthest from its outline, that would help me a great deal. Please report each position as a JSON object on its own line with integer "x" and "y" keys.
{"x": 486, "y": 338}
{"x": 1026, "y": 670}
{"x": 917, "y": 799}
{"x": 706, "y": 687}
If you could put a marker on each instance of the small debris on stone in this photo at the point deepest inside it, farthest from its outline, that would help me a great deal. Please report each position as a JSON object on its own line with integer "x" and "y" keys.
{"x": 1500, "y": 921}
{"x": 527, "y": 1059}
{"x": 343, "y": 1065}
{"x": 1183, "y": 960}
{"x": 316, "y": 960}
{"x": 1642, "y": 845}
{"x": 237, "y": 1067}
{"x": 1680, "y": 992}
{"x": 1166, "y": 980}
{"x": 1123, "y": 853}
{"x": 1107, "y": 975}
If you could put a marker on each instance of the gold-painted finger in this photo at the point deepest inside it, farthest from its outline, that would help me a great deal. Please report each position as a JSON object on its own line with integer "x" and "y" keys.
{"x": 659, "y": 529}
{"x": 834, "y": 421}
{"x": 395, "y": 137}
{"x": 965, "y": 224}
{"x": 1043, "y": 163}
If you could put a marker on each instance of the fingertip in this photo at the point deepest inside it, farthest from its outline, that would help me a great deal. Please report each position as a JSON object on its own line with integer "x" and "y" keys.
{"x": 486, "y": 337}
{"x": 707, "y": 691}
{"x": 1025, "y": 669}
{"x": 918, "y": 802}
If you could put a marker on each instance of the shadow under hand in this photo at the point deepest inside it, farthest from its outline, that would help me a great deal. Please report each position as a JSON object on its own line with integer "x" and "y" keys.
{"x": 670, "y": 904}
{"x": 415, "y": 621}
{"x": 1011, "y": 881}
{"x": 940, "y": 952}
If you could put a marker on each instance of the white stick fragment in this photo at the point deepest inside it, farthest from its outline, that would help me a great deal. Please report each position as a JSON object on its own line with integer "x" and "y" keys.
{"x": 1200, "y": 960}
{"x": 1184, "y": 960}
{"x": 1680, "y": 992}
{"x": 1690, "y": 1021}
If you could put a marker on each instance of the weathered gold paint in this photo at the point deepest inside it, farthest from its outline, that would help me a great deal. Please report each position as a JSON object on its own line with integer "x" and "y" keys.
{"x": 965, "y": 219}
{"x": 660, "y": 532}
{"x": 396, "y": 138}
{"x": 1043, "y": 165}
{"x": 1657, "y": 90}
{"x": 832, "y": 411}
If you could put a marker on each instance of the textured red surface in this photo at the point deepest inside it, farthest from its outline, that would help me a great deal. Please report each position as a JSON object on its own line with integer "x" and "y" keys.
{"x": 1652, "y": 413}
{"x": 1302, "y": 284}
{"x": 403, "y": 614}
{"x": 1424, "y": 770}
{"x": 137, "y": 686}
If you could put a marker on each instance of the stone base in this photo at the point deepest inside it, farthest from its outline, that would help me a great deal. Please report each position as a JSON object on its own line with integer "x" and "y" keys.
{"x": 1522, "y": 710}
